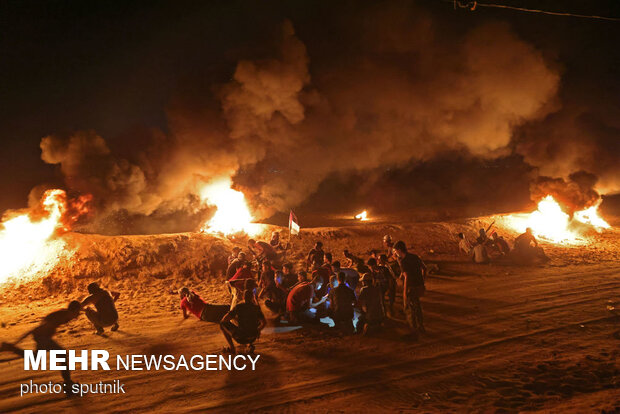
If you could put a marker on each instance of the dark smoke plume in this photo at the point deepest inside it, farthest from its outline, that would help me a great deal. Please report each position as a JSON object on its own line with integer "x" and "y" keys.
{"x": 405, "y": 90}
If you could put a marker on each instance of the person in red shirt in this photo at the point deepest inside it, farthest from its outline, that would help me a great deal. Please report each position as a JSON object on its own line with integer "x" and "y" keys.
{"x": 193, "y": 304}
{"x": 300, "y": 300}
{"x": 242, "y": 280}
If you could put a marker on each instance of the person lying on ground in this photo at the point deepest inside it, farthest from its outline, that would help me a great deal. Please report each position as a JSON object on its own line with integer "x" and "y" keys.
{"x": 352, "y": 275}
{"x": 235, "y": 265}
{"x": 342, "y": 299}
{"x": 464, "y": 246}
{"x": 316, "y": 256}
{"x": 105, "y": 313}
{"x": 413, "y": 274}
{"x": 234, "y": 254}
{"x": 301, "y": 299}
{"x": 193, "y": 304}
{"x": 43, "y": 337}
{"x": 243, "y": 323}
{"x": 262, "y": 250}
{"x": 370, "y": 302}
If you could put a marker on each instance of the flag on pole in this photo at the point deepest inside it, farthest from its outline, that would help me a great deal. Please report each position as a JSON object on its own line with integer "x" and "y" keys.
{"x": 293, "y": 225}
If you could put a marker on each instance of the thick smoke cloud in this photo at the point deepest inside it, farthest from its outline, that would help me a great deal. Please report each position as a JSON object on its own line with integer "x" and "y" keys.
{"x": 394, "y": 103}
{"x": 576, "y": 139}
{"x": 406, "y": 89}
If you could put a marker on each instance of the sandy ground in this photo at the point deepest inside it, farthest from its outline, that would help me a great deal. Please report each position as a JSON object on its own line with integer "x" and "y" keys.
{"x": 500, "y": 338}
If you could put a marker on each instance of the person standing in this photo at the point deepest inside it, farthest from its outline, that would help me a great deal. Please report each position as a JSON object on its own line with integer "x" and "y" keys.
{"x": 413, "y": 273}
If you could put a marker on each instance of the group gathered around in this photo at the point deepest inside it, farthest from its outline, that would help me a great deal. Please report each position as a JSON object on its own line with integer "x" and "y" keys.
{"x": 487, "y": 248}
{"x": 357, "y": 295}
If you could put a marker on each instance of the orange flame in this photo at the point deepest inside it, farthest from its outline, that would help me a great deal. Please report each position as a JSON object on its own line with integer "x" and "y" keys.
{"x": 232, "y": 214}
{"x": 363, "y": 216}
{"x": 550, "y": 222}
{"x": 28, "y": 246}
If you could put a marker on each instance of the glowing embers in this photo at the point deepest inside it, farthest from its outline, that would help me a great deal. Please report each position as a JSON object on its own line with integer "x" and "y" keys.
{"x": 550, "y": 222}
{"x": 232, "y": 214}
{"x": 29, "y": 246}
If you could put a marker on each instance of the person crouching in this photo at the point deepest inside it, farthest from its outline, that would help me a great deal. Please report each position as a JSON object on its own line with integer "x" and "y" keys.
{"x": 249, "y": 321}
{"x": 105, "y": 313}
{"x": 342, "y": 299}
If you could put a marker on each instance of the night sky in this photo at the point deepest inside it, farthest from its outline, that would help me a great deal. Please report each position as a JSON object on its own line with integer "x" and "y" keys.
{"x": 117, "y": 68}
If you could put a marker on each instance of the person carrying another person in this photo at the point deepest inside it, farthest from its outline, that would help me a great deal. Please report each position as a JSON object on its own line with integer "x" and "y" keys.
{"x": 43, "y": 337}
{"x": 464, "y": 246}
{"x": 301, "y": 299}
{"x": 193, "y": 304}
{"x": 413, "y": 273}
{"x": 105, "y": 313}
{"x": 342, "y": 300}
{"x": 243, "y": 323}
{"x": 262, "y": 250}
{"x": 370, "y": 302}
{"x": 316, "y": 256}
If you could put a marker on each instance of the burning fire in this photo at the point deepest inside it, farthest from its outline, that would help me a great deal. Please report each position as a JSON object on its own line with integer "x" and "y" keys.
{"x": 590, "y": 216}
{"x": 232, "y": 214}
{"x": 550, "y": 222}
{"x": 27, "y": 243}
{"x": 363, "y": 216}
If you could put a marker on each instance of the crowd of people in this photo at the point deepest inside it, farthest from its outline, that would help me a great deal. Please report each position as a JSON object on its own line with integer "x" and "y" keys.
{"x": 356, "y": 297}
{"x": 355, "y": 290}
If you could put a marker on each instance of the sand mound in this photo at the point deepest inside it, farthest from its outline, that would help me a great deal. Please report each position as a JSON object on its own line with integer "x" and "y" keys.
{"x": 169, "y": 261}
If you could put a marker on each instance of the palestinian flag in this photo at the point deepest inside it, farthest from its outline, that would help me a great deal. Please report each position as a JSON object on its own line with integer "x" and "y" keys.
{"x": 293, "y": 223}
